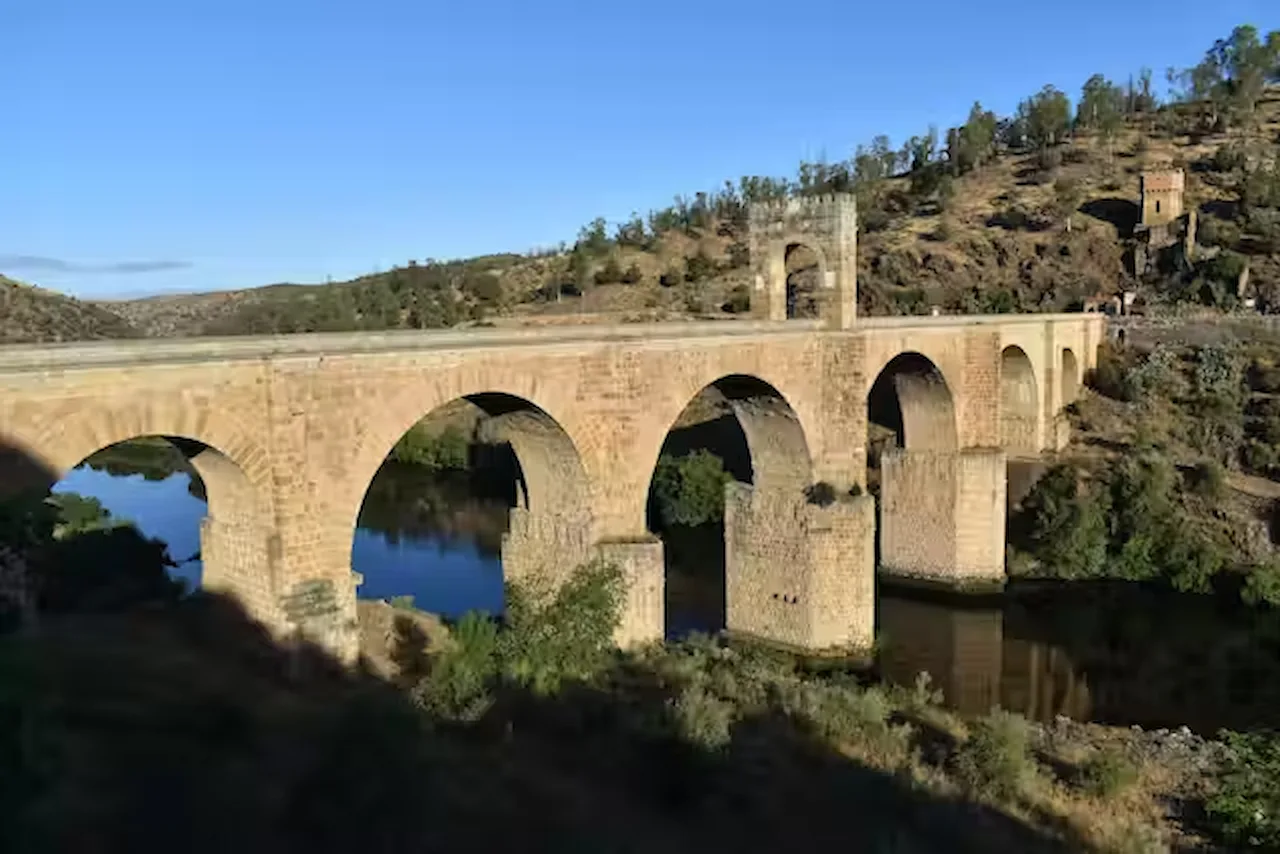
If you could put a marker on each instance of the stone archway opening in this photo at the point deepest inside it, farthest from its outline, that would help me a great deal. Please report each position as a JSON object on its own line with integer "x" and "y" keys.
{"x": 1019, "y": 404}
{"x": 483, "y": 490}
{"x": 1069, "y": 377}
{"x": 909, "y": 407}
{"x": 736, "y": 443}
{"x": 804, "y": 271}
{"x": 151, "y": 518}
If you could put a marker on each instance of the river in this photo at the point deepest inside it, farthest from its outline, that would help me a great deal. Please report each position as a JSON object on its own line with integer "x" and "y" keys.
{"x": 1110, "y": 653}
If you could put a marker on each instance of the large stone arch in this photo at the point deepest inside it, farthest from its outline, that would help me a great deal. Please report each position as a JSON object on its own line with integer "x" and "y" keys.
{"x": 941, "y": 504}
{"x": 911, "y": 396}
{"x": 1020, "y": 410}
{"x": 752, "y": 427}
{"x": 551, "y": 528}
{"x": 399, "y": 406}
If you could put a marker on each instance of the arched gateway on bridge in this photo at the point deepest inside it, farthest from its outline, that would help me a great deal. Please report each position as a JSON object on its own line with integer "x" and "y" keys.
{"x": 301, "y": 424}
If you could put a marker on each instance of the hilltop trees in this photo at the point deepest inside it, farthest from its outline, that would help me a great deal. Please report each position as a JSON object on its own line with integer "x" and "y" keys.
{"x": 1228, "y": 82}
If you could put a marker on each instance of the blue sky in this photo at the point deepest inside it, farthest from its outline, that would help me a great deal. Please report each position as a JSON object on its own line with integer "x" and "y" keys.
{"x": 155, "y": 146}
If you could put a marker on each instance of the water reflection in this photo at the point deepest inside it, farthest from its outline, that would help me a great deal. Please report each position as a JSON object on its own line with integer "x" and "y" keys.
{"x": 1111, "y": 653}
{"x": 161, "y": 507}
{"x": 1114, "y": 653}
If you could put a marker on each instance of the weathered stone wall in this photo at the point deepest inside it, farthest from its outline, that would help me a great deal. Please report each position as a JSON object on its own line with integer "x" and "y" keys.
{"x": 980, "y": 515}
{"x": 643, "y": 611}
{"x": 943, "y": 514}
{"x": 798, "y": 573}
{"x": 917, "y": 512}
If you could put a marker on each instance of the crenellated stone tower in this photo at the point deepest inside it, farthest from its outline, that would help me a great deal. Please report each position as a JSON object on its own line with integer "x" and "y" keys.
{"x": 826, "y": 225}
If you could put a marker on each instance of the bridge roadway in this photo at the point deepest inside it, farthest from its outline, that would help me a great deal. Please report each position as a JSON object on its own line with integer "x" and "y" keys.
{"x": 294, "y": 427}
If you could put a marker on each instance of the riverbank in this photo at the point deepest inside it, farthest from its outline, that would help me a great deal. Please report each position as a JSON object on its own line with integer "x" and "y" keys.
{"x": 992, "y": 782}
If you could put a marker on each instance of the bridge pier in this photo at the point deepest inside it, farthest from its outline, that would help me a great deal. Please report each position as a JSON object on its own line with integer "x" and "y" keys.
{"x": 797, "y": 573}
{"x": 942, "y": 516}
{"x": 550, "y": 545}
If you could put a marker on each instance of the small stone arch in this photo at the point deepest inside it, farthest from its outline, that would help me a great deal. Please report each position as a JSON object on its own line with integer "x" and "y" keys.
{"x": 911, "y": 397}
{"x": 796, "y": 255}
{"x": 234, "y": 533}
{"x": 1069, "y": 377}
{"x": 233, "y": 465}
{"x": 1019, "y": 403}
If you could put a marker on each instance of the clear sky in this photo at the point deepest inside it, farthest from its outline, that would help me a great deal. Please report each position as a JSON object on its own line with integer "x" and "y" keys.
{"x": 154, "y": 145}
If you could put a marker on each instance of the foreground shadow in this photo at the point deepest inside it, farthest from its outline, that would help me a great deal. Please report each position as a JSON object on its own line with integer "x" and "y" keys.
{"x": 183, "y": 727}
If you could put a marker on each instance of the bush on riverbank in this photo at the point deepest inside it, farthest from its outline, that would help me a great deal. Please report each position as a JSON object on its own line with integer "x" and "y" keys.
{"x": 1125, "y": 522}
{"x": 436, "y": 450}
{"x": 81, "y": 559}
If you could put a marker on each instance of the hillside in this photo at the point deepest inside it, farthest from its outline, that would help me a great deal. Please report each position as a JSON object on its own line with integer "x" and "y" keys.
{"x": 33, "y": 314}
{"x": 1030, "y": 212}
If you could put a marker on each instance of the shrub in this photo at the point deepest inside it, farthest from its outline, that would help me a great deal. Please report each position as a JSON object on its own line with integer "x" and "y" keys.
{"x": 609, "y": 274}
{"x": 1159, "y": 375}
{"x": 820, "y": 493}
{"x": 671, "y": 278}
{"x": 1263, "y": 376}
{"x": 1064, "y": 526}
{"x": 447, "y": 450}
{"x": 457, "y": 686}
{"x": 699, "y": 267}
{"x": 1107, "y": 773}
{"x": 550, "y": 636}
{"x": 995, "y": 762}
{"x": 631, "y": 275}
{"x": 1208, "y": 479}
{"x": 485, "y": 287}
{"x": 1262, "y": 585}
{"x": 1245, "y": 808}
{"x": 690, "y": 489}
{"x": 701, "y": 718}
{"x": 563, "y": 634}
{"x": 739, "y": 301}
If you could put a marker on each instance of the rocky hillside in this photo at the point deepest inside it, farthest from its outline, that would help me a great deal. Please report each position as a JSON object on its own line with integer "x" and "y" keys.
{"x": 1029, "y": 212}
{"x": 32, "y": 314}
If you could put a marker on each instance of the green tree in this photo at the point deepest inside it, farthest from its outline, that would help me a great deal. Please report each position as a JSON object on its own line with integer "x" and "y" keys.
{"x": 1046, "y": 117}
{"x": 689, "y": 490}
{"x": 1101, "y": 108}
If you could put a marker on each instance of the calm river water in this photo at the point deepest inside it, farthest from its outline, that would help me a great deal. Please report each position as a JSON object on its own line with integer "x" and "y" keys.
{"x": 1110, "y": 653}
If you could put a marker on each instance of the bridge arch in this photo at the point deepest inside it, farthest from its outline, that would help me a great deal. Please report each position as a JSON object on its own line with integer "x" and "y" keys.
{"x": 231, "y": 540}
{"x": 911, "y": 398}
{"x": 513, "y": 451}
{"x": 736, "y": 450}
{"x": 1069, "y": 377}
{"x": 1019, "y": 403}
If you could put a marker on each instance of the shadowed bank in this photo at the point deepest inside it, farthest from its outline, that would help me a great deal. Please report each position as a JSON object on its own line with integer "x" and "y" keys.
{"x": 177, "y": 724}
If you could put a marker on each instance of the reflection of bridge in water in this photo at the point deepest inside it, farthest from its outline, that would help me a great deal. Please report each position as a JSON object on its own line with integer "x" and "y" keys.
{"x": 977, "y": 665}
{"x": 1099, "y": 652}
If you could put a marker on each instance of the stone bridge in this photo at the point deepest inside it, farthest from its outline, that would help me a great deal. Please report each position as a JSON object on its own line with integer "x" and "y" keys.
{"x": 291, "y": 431}
{"x": 288, "y": 432}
